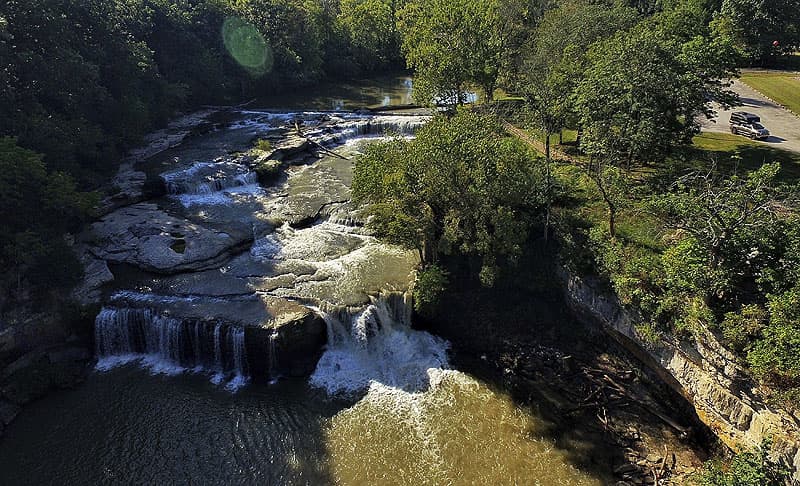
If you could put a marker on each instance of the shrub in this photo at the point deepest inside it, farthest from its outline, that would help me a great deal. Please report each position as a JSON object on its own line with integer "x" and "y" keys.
{"x": 263, "y": 145}
{"x": 431, "y": 283}
{"x": 749, "y": 468}
{"x": 776, "y": 357}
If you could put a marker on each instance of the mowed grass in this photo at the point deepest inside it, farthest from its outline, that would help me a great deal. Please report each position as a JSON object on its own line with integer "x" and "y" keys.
{"x": 781, "y": 86}
{"x": 739, "y": 152}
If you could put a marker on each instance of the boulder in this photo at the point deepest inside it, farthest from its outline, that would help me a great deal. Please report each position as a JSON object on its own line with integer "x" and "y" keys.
{"x": 96, "y": 274}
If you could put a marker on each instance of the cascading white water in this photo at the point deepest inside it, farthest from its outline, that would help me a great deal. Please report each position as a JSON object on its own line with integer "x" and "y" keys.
{"x": 377, "y": 126}
{"x": 208, "y": 177}
{"x": 376, "y": 345}
{"x": 168, "y": 345}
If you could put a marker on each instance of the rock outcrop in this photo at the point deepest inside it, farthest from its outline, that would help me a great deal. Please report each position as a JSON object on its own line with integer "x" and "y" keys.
{"x": 702, "y": 370}
{"x": 147, "y": 237}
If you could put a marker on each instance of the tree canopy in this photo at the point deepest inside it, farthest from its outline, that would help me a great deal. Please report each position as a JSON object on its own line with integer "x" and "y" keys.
{"x": 462, "y": 186}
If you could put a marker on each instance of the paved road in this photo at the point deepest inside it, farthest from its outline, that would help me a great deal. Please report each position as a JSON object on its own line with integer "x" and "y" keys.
{"x": 782, "y": 124}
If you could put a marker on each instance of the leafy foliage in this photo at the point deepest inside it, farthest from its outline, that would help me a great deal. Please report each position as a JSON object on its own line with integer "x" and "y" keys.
{"x": 37, "y": 208}
{"x": 759, "y": 25}
{"x": 430, "y": 284}
{"x": 455, "y": 45}
{"x": 748, "y": 468}
{"x": 460, "y": 187}
{"x": 730, "y": 263}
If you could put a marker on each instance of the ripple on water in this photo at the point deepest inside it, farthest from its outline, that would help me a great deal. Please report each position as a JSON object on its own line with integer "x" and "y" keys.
{"x": 458, "y": 431}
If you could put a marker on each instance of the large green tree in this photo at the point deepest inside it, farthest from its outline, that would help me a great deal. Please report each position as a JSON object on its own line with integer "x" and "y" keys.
{"x": 454, "y": 46}
{"x": 645, "y": 89}
{"x": 462, "y": 186}
{"x": 554, "y": 60}
{"x": 764, "y": 29}
{"x": 372, "y": 30}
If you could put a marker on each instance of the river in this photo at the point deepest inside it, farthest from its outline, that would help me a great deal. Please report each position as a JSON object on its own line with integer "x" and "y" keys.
{"x": 229, "y": 291}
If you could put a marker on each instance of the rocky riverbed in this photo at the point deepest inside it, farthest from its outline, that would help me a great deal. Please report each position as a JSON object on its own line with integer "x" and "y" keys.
{"x": 230, "y": 245}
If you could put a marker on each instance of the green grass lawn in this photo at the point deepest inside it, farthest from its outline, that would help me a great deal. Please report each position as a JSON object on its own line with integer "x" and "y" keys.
{"x": 731, "y": 150}
{"x": 782, "y": 87}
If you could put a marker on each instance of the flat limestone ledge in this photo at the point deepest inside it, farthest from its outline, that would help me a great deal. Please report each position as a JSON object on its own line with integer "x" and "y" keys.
{"x": 703, "y": 371}
{"x": 147, "y": 237}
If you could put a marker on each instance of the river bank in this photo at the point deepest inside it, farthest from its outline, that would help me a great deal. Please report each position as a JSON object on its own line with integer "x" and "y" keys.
{"x": 522, "y": 336}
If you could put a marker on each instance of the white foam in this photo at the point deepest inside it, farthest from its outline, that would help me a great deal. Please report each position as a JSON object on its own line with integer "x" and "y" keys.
{"x": 377, "y": 348}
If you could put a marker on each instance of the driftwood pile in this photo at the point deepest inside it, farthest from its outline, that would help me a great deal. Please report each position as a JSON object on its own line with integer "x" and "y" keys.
{"x": 601, "y": 391}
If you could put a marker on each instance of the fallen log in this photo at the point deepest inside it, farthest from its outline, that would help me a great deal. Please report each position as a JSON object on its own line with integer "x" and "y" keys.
{"x": 317, "y": 144}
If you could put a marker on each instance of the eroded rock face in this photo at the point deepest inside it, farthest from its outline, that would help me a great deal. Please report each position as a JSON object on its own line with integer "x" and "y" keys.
{"x": 703, "y": 371}
{"x": 96, "y": 275}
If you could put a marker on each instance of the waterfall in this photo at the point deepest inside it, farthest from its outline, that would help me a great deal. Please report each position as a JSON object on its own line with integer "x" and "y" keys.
{"x": 380, "y": 126}
{"x": 376, "y": 344}
{"x": 208, "y": 182}
{"x": 210, "y": 186}
{"x": 168, "y": 345}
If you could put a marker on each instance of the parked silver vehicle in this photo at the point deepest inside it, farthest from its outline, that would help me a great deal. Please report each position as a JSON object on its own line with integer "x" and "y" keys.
{"x": 755, "y": 130}
{"x": 748, "y": 125}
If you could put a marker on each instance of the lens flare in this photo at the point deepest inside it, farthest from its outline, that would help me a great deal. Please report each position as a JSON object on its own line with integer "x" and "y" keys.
{"x": 247, "y": 46}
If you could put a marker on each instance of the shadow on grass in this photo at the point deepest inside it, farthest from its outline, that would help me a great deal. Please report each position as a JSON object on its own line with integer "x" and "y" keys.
{"x": 735, "y": 155}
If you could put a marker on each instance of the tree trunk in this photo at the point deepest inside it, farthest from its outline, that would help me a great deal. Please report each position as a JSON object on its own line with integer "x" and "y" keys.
{"x": 561, "y": 137}
{"x": 488, "y": 91}
{"x": 612, "y": 220}
{"x": 547, "y": 184}
{"x": 612, "y": 209}
{"x": 429, "y": 253}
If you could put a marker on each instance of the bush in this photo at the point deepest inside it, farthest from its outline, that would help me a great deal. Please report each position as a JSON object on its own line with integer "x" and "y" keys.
{"x": 776, "y": 357}
{"x": 429, "y": 286}
{"x": 750, "y": 468}
{"x": 263, "y": 145}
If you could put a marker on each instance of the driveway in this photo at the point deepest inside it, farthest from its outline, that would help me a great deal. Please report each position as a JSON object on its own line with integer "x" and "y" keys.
{"x": 783, "y": 125}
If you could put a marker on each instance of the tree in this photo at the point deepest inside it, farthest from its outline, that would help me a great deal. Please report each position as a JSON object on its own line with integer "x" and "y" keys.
{"x": 643, "y": 92}
{"x": 552, "y": 63}
{"x": 36, "y": 208}
{"x": 456, "y": 45}
{"x": 372, "y": 30}
{"x": 460, "y": 187}
{"x": 764, "y": 29}
{"x": 737, "y": 241}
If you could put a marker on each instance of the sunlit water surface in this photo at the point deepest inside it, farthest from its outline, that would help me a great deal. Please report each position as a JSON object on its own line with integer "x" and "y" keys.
{"x": 127, "y": 426}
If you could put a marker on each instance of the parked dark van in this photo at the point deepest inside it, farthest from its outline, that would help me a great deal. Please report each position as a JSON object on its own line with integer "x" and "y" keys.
{"x": 743, "y": 118}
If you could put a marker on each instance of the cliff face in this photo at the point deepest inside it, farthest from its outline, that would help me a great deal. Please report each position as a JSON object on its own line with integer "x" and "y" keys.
{"x": 702, "y": 370}
{"x": 39, "y": 352}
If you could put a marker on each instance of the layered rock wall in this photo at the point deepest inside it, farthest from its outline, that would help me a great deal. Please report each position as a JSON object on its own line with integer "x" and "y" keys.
{"x": 702, "y": 370}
